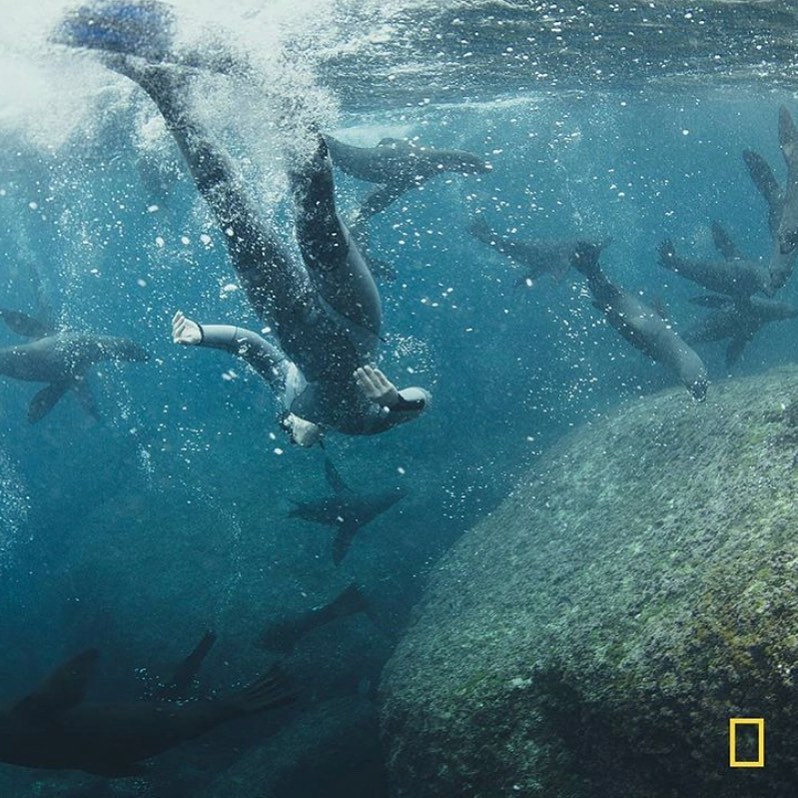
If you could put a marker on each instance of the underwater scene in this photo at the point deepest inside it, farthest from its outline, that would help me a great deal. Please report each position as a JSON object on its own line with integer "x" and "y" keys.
{"x": 399, "y": 399}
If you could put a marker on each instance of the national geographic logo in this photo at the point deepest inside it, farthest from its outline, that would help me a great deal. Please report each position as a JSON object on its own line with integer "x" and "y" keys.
{"x": 751, "y": 742}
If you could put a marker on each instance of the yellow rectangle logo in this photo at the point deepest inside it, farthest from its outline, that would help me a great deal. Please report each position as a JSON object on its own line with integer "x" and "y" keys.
{"x": 759, "y": 723}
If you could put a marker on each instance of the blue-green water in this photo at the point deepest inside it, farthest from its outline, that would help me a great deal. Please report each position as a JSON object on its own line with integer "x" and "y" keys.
{"x": 169, "y": 515}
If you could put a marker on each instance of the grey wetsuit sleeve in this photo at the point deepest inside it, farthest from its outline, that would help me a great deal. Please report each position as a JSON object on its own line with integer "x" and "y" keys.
{"x": 259, "y": 353}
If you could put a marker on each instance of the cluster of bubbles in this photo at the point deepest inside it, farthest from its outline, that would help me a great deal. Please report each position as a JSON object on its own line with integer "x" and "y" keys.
{"x": 14, "y": 507}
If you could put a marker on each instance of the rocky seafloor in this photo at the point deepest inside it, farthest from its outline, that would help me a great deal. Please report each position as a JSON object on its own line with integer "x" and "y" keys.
{"x": 593, "y": 636}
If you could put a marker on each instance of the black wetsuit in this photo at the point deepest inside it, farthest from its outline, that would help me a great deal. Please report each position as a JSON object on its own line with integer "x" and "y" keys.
{"x": 325, "y": 312}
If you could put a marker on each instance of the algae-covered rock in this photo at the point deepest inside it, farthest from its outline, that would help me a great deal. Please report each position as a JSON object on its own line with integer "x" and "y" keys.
{"x": 595, "y": 634}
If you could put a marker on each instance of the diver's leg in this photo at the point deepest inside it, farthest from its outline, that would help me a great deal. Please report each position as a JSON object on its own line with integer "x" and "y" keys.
{"x": 275, "y": 284}
{"x": 332, "y": 258}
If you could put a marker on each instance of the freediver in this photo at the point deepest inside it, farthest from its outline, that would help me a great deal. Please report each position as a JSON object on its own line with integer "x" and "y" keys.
{"x": 324, "y": 312}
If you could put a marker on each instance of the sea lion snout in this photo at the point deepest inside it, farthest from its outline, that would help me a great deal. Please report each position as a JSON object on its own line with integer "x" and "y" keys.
{"x": 698, "y": 389}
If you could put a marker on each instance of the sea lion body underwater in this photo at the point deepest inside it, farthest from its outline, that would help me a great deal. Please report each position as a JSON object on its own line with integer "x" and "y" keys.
{"x": 782, "y": 202}
{"x": 345, "y": 510}
{"x": 642, "y": 326}
{"x": 61, "y": 359}
{"x": 738, "y": 320}
{"x": 538, "y": 257}
{"x": 54, "y": 729}
{"x": 282, "y": 635}
{"x": 397, "y": 166}
{"x": 395, "y": 160}
{"x": 731, "y": 276}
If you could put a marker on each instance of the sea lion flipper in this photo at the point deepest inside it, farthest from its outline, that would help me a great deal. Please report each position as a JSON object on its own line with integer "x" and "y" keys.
{"x": 86, "y": 398}
{"x": 343, "y": 540}
{"x": 187, "y": 670}
{"x": 348, "y": 602}
{"x": 767, "y": 185}
{"x": 762, "y": 175}
{"x": 379, "y": 199}
{"x": 735, "y": 348}
{"x": 788, "y": 137}
{"x": 46, "y": 399}
{"x": 24, "y": 325}
{"x": 723, "y": 242}
{"x": 481, "y": 230}
{"x": 334, "y": 479}
{"x": 63, "y": 689}
{"x": 272, "y": 690}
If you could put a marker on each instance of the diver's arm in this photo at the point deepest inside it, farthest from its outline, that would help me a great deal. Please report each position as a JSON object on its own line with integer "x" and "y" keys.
{"x": 263, "y": 356}
{"x": 397, "y": 406}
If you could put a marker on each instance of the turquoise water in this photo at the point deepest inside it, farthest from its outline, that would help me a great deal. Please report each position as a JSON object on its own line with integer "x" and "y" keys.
{"x": 169, "y": 515}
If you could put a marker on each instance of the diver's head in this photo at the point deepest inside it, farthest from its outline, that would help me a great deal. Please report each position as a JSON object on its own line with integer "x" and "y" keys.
{"x": 301, "y": 431}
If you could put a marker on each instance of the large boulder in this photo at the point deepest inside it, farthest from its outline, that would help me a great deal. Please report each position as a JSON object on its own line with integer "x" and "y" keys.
{"x": 595, "y": 634}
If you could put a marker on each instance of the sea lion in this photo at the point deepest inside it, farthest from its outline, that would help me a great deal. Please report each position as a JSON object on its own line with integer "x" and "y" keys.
{"x": 54, "y": 728}
{"x": 61, "y": 359}
{"x": 733, "y": 276}
{"x": 642, "y": 326}
{"x": 738, "y": 319}
{"x": 284, "y": 634}
{"x": 538, "y": 257}
{"x": 346, "y": 510}
{"x": 397, "y": 166}
{"x": 782, "y": 202}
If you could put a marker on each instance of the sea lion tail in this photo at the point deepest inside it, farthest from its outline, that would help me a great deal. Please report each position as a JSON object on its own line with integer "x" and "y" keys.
{"x": 272, "y": 690}
{"x": 349, "y": 602}
{"x": 585, "y": 258}
{"x": 481, "y": 230}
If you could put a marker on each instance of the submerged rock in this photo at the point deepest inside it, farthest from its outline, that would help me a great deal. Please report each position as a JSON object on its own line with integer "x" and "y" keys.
{"x": 332, "y": 749}
{"x": 594, "y": 635}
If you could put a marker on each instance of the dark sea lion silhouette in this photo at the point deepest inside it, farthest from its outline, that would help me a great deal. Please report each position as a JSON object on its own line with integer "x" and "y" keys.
{"x": 737, "y": 316}
{"x": 397, "y": 166}
{"x": 538, "y": 257}
{"x": 733, "y": 276}
{"x": 61, "y": 359}
{"x": 284, "y": 634}
{"x": 738, "y": 319}
{"x": 178, "y": 685}
{"x": 54, "y": 728}
{"x": 346, "y": 510}
{"x": 643, "y": 326}
{"x": 782, "y": 202}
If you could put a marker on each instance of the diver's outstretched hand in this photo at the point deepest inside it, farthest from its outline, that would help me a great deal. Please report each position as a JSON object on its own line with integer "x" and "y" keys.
{"x": 185, "y": 331}
{"x": 376, "y": 386}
